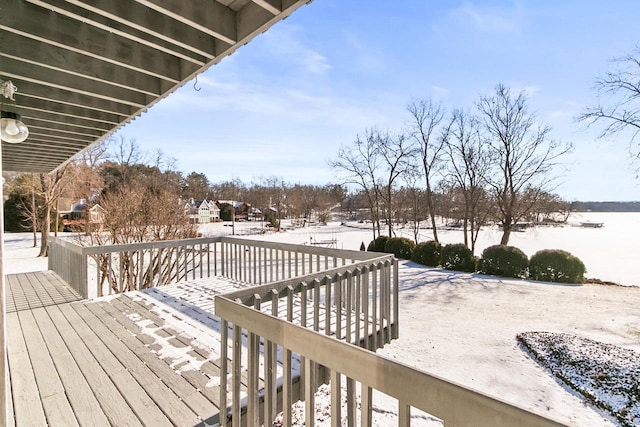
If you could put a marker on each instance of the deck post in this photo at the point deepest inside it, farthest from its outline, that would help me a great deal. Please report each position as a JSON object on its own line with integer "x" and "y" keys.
{"x": 3, "y": 315}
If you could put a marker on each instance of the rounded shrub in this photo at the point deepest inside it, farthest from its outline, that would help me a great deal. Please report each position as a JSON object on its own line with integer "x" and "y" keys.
{"x": 427, "y": 253}
{"x": 378, "y": 244}
{"x": 554, "y": 265}
{"x": 503, "y": 260}
{"x": 458, "y": 257}
{"x": 400, "y": 247}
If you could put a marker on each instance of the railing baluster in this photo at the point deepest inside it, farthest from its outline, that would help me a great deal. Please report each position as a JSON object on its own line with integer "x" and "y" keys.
{"x": 237, "y": 375}
{"x": 351, "y": 402}
{"x": 271, "y": 392}
{"x": 270, "y": 264}
{"x": 316, "y": 304}
{"x": 309, "y": 393}
{"x": 303, "y": 323}
{"x": 252, "y": 374}
{"x": 404, "y": 415}
{"x": 287, "y": 392}
{"x": 327, "y": 305}
{"x": 358, "y": 312}
{"x": 336, "y": 399}
{"x": 337, "y": 304}
{"x": 253, "y": 266}
{"x": 365, "y": 405}
{"x": 224, "y": 371}
{"x": 396, "y": 303}
{"x": 365, "y": 307}
{"x": 349, "y": 302}
{"x": 382, "y": 317}
{"x": 374, "y": 306}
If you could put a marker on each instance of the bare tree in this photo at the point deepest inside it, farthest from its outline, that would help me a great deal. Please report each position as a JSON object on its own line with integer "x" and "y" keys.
{"x": 50, "y": 189}
{"x": 618, "y": 104}
{"x": 397, "y": 154}
{"x": 523, "y": 151}
{"x": 426, "y": 118}
{"x": 469, "y": 163}
{"x": 358, "y": 165}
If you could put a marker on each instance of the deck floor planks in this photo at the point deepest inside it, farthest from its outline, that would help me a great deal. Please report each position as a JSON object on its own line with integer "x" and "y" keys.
{"x": 197, "y": 379}
{"x": 173, "y": 382}
{"x": 165, "y": 398}
{"x": 113, "y": 404}
{"x": 26, "y": 399}
{"x": 90, "y": 341}
{"x": 142, "y": 405}
{"x": 86, "y": 407}
{"x": 52, "y": 393}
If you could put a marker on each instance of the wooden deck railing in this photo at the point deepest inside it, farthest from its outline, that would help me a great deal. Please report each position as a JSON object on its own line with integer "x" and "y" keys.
{"x": 355, "y": 304}
{"x": 104, "y": 270}
{"x": 348, "y": 364}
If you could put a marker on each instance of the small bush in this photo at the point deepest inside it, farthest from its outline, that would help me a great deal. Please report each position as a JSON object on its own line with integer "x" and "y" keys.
{"x": 458, "y": 257}
{"x": 400, "y": 247}
{"x": 427, "y": 253}
{"x": 378, "y": 244}
{"x": 506, "y": 261}
{"x": 554, "y": 265}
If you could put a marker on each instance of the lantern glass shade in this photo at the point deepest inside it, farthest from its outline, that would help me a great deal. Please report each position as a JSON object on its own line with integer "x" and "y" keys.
{"x": 12, "y": 129}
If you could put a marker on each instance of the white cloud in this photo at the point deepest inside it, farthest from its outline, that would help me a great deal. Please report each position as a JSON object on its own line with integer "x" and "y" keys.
{"x": 484, "y": 19}
{"x": 440, "y": 92}
{"x": 287, "y": 43}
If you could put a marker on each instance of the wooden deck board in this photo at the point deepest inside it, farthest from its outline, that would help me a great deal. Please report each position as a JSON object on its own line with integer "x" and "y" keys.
{"x": 193, "y": 397}
{"x": 146, "y": 358}
{"x": 52, "y": 393}
{"x": 114, "y": 406}
{"x": 26, "y": 399}
{"x": 197, "y": 379}
{"x": 142, "y": 405}
{"x": 85, "y": 406}
{"x": 155, "y": 387}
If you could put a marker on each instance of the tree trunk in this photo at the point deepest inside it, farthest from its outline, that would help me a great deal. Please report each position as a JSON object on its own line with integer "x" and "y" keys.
{"x": 389, "y": 211}
{"x": 44, "y": 232}
{"x": 34, "y": 218}
{"x": 432, "y": 214}
{"x": 506, "y": 233}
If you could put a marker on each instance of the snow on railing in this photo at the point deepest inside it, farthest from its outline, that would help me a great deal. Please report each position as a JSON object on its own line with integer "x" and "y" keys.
{"x": 306, "y": 356}
{"x": 108, "y": 269}
{"x": 356, "y": 304}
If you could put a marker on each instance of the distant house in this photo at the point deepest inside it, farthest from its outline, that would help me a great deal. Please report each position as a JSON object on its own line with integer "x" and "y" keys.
{"x": 202, "y": 211}
{"x": 75, "y": 219}
{"x": 242, "y": 211}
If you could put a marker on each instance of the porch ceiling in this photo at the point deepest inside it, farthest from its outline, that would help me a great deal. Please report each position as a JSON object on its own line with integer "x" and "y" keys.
{"x": 84, "y": 68}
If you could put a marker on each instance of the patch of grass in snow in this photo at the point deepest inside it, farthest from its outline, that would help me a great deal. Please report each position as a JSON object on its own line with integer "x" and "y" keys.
{"x": 607, "y": 375}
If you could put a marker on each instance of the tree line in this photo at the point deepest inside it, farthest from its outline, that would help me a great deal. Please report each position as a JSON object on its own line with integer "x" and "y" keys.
{"x": 142, "y": 196}
{"x": 493, "y": 161}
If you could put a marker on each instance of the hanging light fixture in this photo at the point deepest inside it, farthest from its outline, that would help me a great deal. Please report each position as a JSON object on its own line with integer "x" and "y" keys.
{"x": 12, "y": 129}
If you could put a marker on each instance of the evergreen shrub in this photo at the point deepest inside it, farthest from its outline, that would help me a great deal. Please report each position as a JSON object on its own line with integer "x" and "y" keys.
{"x": 400, "y": 247}
{"x": 554, "y": 265}
{"x": 427, "y": 253}
{"x": 378, "y": 244}
{"x": 458, "y": 257}
{"x": 503, "y": 260}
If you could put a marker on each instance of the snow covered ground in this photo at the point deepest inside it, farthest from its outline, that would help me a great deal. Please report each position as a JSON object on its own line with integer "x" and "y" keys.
{"x": 463, "y": 327}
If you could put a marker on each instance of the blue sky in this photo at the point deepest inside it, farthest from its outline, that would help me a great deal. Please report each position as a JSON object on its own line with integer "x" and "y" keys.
{"x": 283, "y": 104}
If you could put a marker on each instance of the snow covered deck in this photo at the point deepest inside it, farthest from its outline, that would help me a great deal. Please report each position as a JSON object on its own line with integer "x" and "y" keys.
{"x": 141, "y": 358}
{"x": 149, "y": 357}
